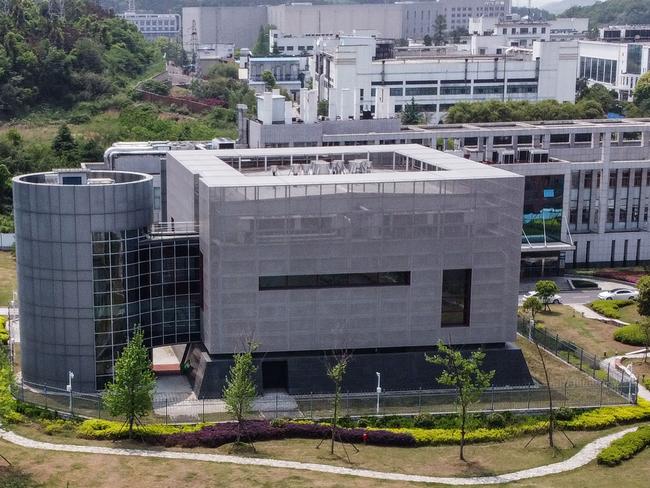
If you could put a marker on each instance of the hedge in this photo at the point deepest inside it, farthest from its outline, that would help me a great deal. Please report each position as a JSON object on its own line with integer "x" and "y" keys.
{"x": 630, "y": 334}
{"x": 262, "y": 430}
{"x": 106, "y": 429}
{"x": 625, "y": 448}
{"x": 605, "y": 417}
{"x": 4, "y": 332}
{"x": 609, "y": 308}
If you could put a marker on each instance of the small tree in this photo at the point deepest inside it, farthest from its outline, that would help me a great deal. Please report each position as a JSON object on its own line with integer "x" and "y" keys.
{"x": 64, "y": 142}
{"x": 545, "y": 290}
{"x": 239, "y": 392}
{"x": 323, "y": 108}
{"x": 532, "y": 305}
{"x": 466, "y": 376}
{"x": 427, "y": 40}
{"x": 269, "y": 80}
{"x": 411, "y": 114}
{"x": 130, "y": 394}
{"x": 336, "y": 373}
{"x": 439, "y": 30}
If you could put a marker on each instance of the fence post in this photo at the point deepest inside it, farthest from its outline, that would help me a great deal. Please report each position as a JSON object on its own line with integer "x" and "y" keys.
{"x": 22, "y": 390}
{"x": 99, "y": 409}
{"x": 581, "y": 354}
{"x": 45, "y": 389}
{"x": 528, "y": 407}
{"x": 311, "y": 405}
{"x": 71, "y": 402}
{"x": 203, "y": 405}
{"x": 420, "y": 401}
{"x": 557, "y": 344}
{"x": 165, "y": 411}
{"x": 493, "y": 399}
{"x": 608, "y": 366}
{"x": 601, "y": 394}
{"x": 276, "y": 405}
{"x": 565, "y": 392}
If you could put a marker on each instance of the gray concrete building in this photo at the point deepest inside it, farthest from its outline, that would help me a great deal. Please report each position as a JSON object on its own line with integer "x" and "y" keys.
{"x": 398, "y": 20}
{"x": 56, "y": 216}
{"x": 377, "y": 250}
{"x": 585, "y": 166}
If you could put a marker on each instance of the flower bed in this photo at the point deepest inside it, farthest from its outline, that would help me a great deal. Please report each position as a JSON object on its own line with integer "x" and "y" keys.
{"x": 261, "y": 430}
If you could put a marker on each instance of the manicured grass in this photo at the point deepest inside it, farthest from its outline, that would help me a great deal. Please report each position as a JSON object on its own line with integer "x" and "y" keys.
{"x": 7, "y": 277}
{"x": 593, "y": 336}
{"x": 57, "y": 469}
{"x": 630, "y": 313}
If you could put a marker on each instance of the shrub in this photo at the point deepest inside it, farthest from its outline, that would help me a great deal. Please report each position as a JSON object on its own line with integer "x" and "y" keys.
{"x": 625, "y": 448}
{"x": 36, "y": 412}
{"x": 106, "y": 429}
{"x": 261, "y": 430}
{"x": 609, "y": 308}
{"x": 630, "y": 334}
{"x": 602, "y": 418}
{"x": 496, "y": 420}
{"x": 58, "y": 426}
{"x": 424, "y": 421}
{"x": 13, "y": 417}
{"x": 564, "y": 413}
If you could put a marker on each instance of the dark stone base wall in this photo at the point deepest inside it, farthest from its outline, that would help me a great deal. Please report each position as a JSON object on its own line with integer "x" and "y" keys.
{"x": 400, "y": 370}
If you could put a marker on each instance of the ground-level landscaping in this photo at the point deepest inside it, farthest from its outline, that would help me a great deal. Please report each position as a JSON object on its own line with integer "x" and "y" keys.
{"x": 7, "y": 277}
{"x": 592, "y": 335}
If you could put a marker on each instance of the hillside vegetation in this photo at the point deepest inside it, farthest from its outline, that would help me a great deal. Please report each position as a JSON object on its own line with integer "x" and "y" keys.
{"x": 613, "y": 12}
{"x": 55, "y": 61}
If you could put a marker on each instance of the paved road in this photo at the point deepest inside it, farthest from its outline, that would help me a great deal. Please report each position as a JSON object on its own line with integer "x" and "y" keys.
{"x": 574, "y": 297}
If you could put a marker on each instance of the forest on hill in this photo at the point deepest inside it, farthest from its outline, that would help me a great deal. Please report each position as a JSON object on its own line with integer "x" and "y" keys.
{"x": 613, "y": 12}
{"x": 53, "y": 60}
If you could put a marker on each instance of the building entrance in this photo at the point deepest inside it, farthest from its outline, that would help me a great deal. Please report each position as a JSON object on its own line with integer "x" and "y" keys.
{"x": 275, "y": 375}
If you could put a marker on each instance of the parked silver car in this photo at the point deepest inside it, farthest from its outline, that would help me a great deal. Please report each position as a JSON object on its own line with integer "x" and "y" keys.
{"x": 619, "y": 294}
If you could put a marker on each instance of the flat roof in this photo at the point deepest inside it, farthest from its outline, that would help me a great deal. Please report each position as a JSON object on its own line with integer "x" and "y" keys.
{"x": 215, "y": 172}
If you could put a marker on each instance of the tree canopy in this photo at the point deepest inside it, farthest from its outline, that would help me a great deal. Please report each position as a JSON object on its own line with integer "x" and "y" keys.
{"x": 511, "y": 111}
{"x": 613, "y": 12}
{"x": 52, "y": 60}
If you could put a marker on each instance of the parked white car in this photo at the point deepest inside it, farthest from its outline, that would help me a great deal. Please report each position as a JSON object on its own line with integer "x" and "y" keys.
{"x": 619, "y": 294}
{"x": 557, "y": 299}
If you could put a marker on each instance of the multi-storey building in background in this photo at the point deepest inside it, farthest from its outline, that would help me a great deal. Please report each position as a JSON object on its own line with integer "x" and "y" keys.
{"x": 357, "y": 67}
{"x": 153, "y": 26}
{"x": 399, "y": 20}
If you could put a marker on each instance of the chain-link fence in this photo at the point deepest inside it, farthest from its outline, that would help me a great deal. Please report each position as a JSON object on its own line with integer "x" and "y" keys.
{"x": 179, "y": 409}
{"x": 617, "y": 380}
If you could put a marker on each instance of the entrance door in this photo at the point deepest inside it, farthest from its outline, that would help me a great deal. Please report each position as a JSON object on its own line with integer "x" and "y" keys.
{"x": 275, "y": 375}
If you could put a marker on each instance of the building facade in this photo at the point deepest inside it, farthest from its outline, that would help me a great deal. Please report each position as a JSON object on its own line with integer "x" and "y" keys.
{"x": 360, "y": 66}
{"x": 153, "y": 26}
{"x": 618, "y": 66}
{"x": 381, "y": 251}
{"x": 587, "y": 188}
{"x": 398, "y": 20}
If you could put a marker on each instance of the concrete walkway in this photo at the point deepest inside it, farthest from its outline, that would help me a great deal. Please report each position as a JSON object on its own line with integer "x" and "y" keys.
{"x": 611, "y": 363}
{"x": 585, "y": 456}
{"x": 590, "y": 314}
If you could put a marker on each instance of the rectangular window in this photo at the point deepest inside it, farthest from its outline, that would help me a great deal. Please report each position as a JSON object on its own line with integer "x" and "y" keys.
{"x": 339, "y": 280}
{"x": 456, "y": 293}
{"x": 421, "y": 91}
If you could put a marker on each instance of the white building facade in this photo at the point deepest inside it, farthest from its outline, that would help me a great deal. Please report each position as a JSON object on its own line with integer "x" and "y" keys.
{"x": 153, "y": 26}
{"x": 617, "y": 66}
{"x": 437, "y": 83}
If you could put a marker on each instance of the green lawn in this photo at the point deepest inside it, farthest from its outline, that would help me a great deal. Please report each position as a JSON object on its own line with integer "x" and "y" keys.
{"x": 593, "y": 336}
{"x": 7, "y": 277}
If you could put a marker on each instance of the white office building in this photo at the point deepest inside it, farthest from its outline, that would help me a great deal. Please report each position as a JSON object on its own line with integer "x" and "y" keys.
{"x": 617, "y": 66}
{"x": 153, "y": 26}
{"x": 360, "y": 66}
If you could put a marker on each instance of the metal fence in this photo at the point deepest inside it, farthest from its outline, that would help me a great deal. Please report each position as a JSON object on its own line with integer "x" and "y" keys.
{"x": 179, "y": 409}
{"x": 616, "y": 380}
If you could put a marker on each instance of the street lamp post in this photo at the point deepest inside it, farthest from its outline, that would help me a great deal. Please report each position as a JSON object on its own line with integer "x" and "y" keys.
{"x": 69, "y": 388}
{"x": 378, "y": 389}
